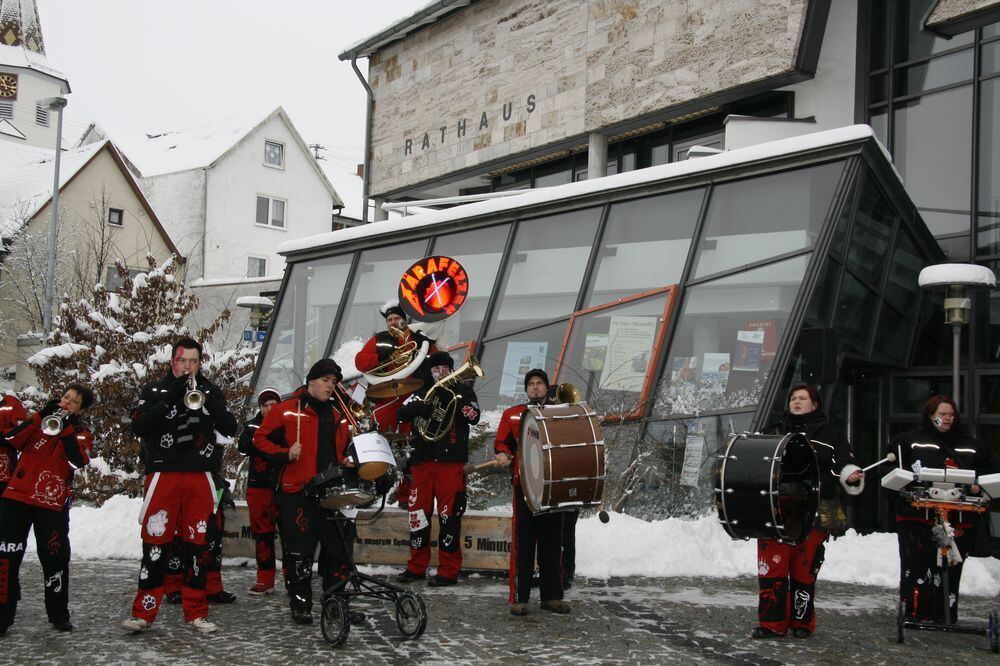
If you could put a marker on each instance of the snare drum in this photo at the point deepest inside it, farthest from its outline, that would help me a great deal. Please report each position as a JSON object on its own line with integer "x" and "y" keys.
{"x": 767, "y": 487}
{"x": 346, "y": 492}
{"x": 561, "y": 457}
{"x": 374, "y": 455}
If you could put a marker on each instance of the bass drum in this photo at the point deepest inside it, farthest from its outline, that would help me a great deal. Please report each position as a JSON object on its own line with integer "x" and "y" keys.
{"x": 561, "y": 457}
{"x": 767, "y": 487}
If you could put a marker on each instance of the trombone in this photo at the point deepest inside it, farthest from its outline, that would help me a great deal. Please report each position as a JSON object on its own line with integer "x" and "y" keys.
{"x": 193, "y": 399}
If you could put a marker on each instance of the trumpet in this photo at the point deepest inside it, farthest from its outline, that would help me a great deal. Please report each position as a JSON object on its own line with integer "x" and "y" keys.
{"x": 435, "y": 426}
{"x": 193, "y": 399}
{"x": 54, "y": 423}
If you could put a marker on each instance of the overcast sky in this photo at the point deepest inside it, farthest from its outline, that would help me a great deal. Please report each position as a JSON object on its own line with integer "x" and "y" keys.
{"x": 156, "y": 65}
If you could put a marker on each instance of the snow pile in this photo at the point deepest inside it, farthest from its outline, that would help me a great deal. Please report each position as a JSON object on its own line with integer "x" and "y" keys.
{"x": 62, "y": 351}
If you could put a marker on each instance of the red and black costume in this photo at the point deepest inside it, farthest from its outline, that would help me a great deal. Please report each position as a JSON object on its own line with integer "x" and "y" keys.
{"x": 38, "y": 495}
{"x": 787, "y": 573}
{"x": 11, "y": 413}
{"x": 180, "y": 452}
{"x": 324, "y": 436}
{"x": 261, "y": 481}
{"x": 532, "y": 536}
{"x": 920, "y": 577}
{"x": 437, "y": 471}
{"x": 377, "y": 351}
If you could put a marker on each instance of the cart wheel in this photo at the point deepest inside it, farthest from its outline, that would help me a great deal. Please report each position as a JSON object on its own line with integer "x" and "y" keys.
{"x": 335, "y": 621}
{"x": 993, "y": 633}
{"x": 900, "y": 620}
{"x": 411, "y": 615}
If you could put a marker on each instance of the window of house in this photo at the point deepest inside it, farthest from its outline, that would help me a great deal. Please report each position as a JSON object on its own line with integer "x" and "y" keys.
{"x": 41, "y": 116}
{"x": 113, "y": 281}
{"x": 270, "y": 212}
{"x": 274, "y": 154}
{"x": 256, "y": 267}
{"x": 116, "y": 216}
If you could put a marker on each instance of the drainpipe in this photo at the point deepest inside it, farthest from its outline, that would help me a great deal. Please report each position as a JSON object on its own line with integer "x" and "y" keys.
{"x": 366, "y": 181}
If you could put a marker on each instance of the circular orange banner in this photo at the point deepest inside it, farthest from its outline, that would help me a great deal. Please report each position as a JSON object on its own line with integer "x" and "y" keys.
{"x": 433, "y": 288}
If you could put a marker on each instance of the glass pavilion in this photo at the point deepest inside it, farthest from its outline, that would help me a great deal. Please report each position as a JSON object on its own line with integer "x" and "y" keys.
{"x": 682, "y": 299}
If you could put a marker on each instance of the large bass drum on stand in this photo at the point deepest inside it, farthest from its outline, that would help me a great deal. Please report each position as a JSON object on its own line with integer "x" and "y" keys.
{"x": 767, "y": 487}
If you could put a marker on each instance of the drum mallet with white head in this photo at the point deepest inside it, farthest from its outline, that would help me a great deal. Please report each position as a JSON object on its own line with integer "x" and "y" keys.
{"x": 851, "y": 469}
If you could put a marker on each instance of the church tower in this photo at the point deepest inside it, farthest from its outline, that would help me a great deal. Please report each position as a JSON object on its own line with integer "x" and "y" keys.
{"x": 26, "y": 77}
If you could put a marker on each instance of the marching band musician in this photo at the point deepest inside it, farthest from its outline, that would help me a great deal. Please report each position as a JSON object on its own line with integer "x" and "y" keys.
{"x": 529, "y": 532}
{"x": 11, "y": 413}
{"x": 177, "y": 429}
{"x": 308, "y": 435}
{"x": 438, "y": 474}
{"x": 261, "y": 480}
{"x": 39, "y": 496}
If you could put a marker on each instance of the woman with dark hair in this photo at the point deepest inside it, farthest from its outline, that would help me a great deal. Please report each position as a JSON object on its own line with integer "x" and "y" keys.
{"x": 787, "y": 573}
{"x": 938, "y": 442}
{"x": 39, "y": 495}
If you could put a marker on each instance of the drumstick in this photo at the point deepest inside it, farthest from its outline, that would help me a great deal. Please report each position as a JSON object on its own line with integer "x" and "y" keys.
{"x": 471, "y": 467}
{"x": 889, "y": 458}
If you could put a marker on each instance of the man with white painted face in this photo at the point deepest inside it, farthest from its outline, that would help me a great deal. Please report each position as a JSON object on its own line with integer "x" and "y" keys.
{"x": 179, "y": 451}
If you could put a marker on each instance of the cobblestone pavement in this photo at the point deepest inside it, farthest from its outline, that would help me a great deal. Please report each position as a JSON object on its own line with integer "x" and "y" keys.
{"x": 619, "y": 621}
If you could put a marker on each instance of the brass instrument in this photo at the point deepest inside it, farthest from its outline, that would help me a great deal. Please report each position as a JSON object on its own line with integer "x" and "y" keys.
{"x": 54, "y": 423}
{"x": 566, "y": 393}
{"x": 432, "y": 428}
{"x": 193, "y": 399}
{"x": 401, "y": 356}
{"x": 359, "y": 416}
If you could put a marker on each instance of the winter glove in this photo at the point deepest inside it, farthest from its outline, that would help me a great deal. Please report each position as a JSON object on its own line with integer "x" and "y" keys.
{"x": 176, "y": 390}
{"x": 50, "y": 408}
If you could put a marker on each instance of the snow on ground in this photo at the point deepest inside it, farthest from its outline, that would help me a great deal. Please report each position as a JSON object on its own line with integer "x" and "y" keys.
{"x": 625, "y": 546}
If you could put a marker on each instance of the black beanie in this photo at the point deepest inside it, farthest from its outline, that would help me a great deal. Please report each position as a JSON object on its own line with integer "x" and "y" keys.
{"x": 536, "y": 372}
{"x": 440, "y": 358}
{"x": 324, "y": 367}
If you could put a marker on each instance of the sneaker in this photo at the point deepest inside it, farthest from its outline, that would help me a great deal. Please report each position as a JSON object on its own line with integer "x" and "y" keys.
{"x": 557, "y": 606}
{"x": 173, "y": 598}
{"x": 135, "y": 625}
{"x": 408, "y": 577}
{"x": 302, "y": 616}
{"x": 202, "y": 625}
{"x": 801, "y": 632}
{"x": 222, "y": 597}
{"x": 63, "y": 625}
{"x": 259, "y": 589}
{"x": 441, "y": 581}
{"x": 761, "y": 632}
{"x": 519, "y": 609}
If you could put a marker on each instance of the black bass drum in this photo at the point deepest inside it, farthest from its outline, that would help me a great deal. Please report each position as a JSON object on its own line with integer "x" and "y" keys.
{"x": 767, "y": 487}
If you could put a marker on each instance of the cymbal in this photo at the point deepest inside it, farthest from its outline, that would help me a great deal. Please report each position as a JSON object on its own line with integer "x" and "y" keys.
{"x": 395, "y": 436}
{"x": 394, "y": 388}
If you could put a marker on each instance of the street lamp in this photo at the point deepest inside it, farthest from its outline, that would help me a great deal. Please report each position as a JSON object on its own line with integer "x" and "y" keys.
{"x": 56, "y": 104}
{"x": 259, "y": 306}
{"x": 958, "y": 280}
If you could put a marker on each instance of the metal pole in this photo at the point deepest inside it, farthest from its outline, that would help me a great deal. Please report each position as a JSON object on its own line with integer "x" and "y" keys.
{"x": 58, "y": 104}
{"x": 956, "y": 350}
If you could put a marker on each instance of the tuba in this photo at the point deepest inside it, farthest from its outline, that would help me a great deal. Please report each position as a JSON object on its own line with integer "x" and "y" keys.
{"x": 444, "y": 402}
{"x": 566, "y": 393}
{"x": 405, "y": 358}
{"x": 54, "y": 423}
{"x": 193, "y": 399}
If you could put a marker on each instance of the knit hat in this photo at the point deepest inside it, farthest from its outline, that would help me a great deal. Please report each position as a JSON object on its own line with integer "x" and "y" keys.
{"x": 324, "y": 367}
{"x": 536, "y": 372}
{"x": 440, "y": 358}
{"x": 267, "y": 394}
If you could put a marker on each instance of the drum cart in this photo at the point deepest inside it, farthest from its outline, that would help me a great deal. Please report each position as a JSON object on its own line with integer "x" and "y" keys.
{"x": 921, "y": 498}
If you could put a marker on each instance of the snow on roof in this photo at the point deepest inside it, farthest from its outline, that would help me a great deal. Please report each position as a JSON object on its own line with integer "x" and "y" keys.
{"x": 762, "y": 151}
{"x": 350, "y": 187}
{"x": 18, "y": 56}
{"x": 399, "y": 28}
{"x": 943, "y": 275}
{"x": 169, "y": 151}
{"x": 26, "y": 175}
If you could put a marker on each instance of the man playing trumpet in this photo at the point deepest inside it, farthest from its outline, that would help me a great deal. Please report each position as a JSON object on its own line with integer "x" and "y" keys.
{"x": 176, "y": 420}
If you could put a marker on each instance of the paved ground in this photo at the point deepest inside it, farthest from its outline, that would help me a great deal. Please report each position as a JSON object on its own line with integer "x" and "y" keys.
{"x": 620, "y": 621}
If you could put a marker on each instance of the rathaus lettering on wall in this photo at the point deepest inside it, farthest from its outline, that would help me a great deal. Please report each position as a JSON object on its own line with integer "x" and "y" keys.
{"x": 460, "y": 128}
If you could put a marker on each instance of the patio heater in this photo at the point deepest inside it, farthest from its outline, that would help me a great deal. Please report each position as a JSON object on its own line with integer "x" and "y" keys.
{"x": 958, "y": 281}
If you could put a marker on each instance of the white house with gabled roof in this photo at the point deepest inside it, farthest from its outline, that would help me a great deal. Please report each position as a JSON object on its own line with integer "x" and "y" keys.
{"x": 229, "y": 193}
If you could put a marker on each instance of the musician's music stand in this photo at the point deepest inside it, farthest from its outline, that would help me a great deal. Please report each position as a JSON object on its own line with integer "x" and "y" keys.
{"x": 335, "y": 619}
{"x": 920, "y": 499}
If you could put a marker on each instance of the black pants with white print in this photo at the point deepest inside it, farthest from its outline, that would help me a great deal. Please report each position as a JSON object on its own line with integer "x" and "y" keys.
{"x": 303, "y": 524}
{"x": 52, "y": 543}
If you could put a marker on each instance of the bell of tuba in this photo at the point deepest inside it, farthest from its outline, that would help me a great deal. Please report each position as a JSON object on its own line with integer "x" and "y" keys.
{"x": 193, "y": 399}
{"x": 566, "y": 393}
{"x": 54, "y": 423}
{"x": 444, "y": 402}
